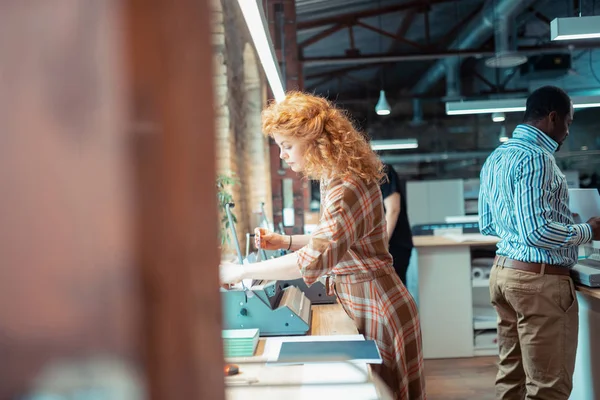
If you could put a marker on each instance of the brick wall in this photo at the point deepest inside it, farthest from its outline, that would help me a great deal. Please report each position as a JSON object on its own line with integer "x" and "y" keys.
{"x": 240, "y": 95}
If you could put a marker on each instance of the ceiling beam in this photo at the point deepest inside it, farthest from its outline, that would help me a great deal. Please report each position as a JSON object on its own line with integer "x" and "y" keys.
{"x": 434, "y": 55}
{"x": 407, "y": 22}
{"x": 388, "y": 34}
{"x": 539, "y": 15}
{"x": 321, "y": 35}
{"x": 339, "y": 71}
{"x": 350, "y": 17}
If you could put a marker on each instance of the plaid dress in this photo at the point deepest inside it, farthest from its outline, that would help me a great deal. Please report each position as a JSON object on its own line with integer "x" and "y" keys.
{"x": 350, "y": 248}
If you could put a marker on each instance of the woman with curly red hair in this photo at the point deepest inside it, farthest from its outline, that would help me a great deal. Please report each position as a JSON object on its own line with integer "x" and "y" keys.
{"x": 349, "y": 246}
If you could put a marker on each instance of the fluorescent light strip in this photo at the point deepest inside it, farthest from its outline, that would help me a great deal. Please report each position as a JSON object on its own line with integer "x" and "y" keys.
{"x": 509, "y": 105}
{"x": 257, "y": 24}
{"x": 573, "y": 28}
{"x": 484, "y": 110}
{"x": 395, "y": 144}
{"x": 577, "y": 37}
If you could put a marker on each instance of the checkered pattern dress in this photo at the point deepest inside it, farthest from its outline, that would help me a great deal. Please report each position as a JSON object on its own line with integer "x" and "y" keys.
{"x": 350, "y": 247}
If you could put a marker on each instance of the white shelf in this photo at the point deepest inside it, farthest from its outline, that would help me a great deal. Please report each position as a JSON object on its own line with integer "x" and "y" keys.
{"x": 485, "y": 351}
{"x": 480, "y": 283}
{"x": 484, "y": 318}
{"x": 481, "y": 325}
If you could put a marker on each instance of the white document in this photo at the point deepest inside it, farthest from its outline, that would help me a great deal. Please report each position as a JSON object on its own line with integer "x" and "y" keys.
{"x": 585, "y": 202}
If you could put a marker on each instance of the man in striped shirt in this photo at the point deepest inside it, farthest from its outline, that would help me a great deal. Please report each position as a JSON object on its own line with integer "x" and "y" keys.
{"x": 524, "y": 200}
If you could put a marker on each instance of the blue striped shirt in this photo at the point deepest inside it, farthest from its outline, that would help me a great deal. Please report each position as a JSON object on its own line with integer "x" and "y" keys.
{"x": 524, "y": 200}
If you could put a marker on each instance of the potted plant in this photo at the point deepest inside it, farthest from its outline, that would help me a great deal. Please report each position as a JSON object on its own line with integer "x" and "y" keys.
{"x": 224, "y": 196}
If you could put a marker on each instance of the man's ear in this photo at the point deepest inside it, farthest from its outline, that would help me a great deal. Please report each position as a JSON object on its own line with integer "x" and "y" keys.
{"x": 552, "y": 116}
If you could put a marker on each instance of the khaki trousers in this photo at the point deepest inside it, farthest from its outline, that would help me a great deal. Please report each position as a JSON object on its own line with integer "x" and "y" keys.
{"x": 538, "y": 317}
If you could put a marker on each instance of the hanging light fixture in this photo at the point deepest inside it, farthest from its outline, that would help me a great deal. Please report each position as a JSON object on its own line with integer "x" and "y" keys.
{"x": 382, "y": 107}
{"x": 573, "y": 28}
{"x": 498, "y": 117}
{"x": 503, "y": 137}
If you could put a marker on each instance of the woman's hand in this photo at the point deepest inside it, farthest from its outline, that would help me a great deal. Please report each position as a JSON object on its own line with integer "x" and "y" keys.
{"x": 231, "y": 273}
{"x": 263, "y": 239}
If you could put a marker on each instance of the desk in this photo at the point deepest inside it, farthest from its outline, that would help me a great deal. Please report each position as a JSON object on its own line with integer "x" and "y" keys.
{"x": 443, "y": 286}
{"x": 349, "y": 381}
{"x": 586, "y": 380}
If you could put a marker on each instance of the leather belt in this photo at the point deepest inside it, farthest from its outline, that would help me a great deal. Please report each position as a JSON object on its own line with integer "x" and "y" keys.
{"x": 537, "y": 268}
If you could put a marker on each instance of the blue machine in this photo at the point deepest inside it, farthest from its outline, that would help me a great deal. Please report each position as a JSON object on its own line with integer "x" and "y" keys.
{"x": 267, "y": 306}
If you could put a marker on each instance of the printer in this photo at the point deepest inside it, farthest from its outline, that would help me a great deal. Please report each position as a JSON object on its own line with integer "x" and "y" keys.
{"x": 587, "y": 270}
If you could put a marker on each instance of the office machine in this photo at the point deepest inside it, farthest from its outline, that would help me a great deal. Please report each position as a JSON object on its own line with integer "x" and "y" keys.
{"x": 317, "y": 293}
{"x": 430, "y": 229}
{"x": 265, "y": 305}
{"x": 587, "y": 270}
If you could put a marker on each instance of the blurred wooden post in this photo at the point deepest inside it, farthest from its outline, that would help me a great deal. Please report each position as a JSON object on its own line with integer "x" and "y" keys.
{"x": 174, "y": 135}
{"x": 108, "y": 231}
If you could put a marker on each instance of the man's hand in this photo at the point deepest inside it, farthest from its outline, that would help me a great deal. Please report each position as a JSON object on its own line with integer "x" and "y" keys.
{"x": 595, "y": 224}
{"x": 263, "y": 239}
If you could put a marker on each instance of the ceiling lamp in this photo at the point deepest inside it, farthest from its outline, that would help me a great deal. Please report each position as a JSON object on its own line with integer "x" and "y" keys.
{"x": 257, "y": 24}
{"x": 394, "y": 144}
{"x": 498, "y": 117}
{"x": 382, "y": 107}
{"x": 503, "y": 138}
{"x": 573, "y": 28}
{"x": 508, "y": 105}
{"x": 484, "y": 106}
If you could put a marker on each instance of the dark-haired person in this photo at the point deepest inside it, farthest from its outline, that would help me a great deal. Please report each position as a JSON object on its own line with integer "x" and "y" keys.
{"x": 397, "y": 225}
{"x": 524, "y": 200}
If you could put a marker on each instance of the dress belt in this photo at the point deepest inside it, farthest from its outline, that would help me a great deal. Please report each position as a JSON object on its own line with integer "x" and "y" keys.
{"x": 331, "y": 280}
{"x": 537, "y": 268}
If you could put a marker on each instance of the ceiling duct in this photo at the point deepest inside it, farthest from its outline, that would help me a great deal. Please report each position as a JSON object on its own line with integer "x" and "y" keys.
{"x": 473, "y": 36}
{"x": 505, "y": 57}
{"x": 417, "y": 113}
{"x": 452, "y": 79}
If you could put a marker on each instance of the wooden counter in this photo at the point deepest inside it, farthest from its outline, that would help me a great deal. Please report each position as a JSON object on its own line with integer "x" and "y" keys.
{"x": 331, "y": 319}
{"x": 593, "y": 292}
{"x": 301, "y": 382}
{"x": 441, "y": 241}
{"x": 326, "y": 319}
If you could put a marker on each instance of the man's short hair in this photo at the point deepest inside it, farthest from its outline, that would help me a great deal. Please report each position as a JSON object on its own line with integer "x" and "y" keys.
{"x": 544, "y": 100}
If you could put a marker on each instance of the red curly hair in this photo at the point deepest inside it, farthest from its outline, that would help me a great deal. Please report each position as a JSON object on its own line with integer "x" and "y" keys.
{"x": 334, "y": 147}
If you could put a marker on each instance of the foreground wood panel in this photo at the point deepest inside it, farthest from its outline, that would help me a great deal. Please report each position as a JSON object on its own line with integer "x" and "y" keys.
{"x": 174, "y": 143}
{"x": 107, "y": 225}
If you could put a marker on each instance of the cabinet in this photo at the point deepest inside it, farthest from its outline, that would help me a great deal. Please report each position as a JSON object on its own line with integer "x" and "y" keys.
{"x": 485, "y": 318}
{"x": 432, "y": 201}
{"x": 454, "y": 310}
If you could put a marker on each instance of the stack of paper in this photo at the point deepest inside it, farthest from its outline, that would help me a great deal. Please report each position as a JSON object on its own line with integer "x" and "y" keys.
{"x": 240, "y": 342}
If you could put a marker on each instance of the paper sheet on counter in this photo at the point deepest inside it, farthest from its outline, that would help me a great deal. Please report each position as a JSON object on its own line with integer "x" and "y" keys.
{"x": 273, "y": 344}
